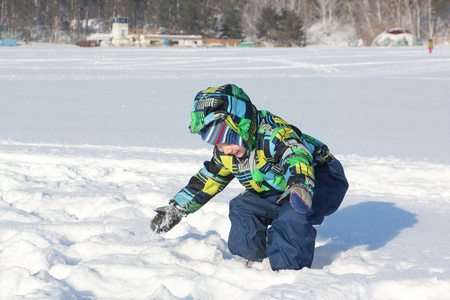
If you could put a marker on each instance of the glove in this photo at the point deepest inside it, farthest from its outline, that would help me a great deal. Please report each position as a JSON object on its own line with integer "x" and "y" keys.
{"x": 166, "y": 218}
{"x": 299, "y": 197}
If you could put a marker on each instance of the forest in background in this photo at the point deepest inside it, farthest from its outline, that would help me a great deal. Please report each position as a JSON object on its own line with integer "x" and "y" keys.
{"x": 274, "y": 21}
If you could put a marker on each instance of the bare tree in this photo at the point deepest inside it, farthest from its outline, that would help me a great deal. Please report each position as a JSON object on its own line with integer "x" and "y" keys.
{"x": 49, "y": 20}
{"x": 326, "y": 11}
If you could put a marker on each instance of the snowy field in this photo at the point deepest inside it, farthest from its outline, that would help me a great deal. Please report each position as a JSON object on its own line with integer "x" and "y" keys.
{"x": 92, "y": 140}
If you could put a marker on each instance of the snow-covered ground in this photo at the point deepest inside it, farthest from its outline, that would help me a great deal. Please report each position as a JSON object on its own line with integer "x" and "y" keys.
{"x": 93, "y": 139}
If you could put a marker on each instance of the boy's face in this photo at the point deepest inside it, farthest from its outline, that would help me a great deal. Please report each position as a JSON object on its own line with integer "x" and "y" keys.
{"x": 232, "y": 149}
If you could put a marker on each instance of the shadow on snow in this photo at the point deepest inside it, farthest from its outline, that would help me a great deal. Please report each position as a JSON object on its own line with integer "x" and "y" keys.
{"x": 369, "y": 223}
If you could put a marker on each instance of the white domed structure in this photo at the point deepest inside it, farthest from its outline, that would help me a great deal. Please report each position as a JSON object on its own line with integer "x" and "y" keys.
{"x": 396, "y": 37}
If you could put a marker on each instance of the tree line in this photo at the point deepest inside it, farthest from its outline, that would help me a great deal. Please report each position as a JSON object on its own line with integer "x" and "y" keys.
{"x": 276, "y": 21}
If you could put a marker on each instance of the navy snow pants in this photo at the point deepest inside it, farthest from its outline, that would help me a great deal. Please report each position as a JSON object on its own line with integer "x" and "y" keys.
{"x": 261, "y": 228}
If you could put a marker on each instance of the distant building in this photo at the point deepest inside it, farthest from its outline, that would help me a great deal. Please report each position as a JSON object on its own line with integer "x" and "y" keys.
{"x": 120, "y": 36}
{"x": 120, "y": 31}
{"x": 8, "y": 42}
{"x": 172, "y": 40}
{"x": 222, "y": 42}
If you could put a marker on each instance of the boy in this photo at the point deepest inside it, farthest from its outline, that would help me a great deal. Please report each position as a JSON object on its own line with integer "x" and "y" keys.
{"x": 292, "y": 181}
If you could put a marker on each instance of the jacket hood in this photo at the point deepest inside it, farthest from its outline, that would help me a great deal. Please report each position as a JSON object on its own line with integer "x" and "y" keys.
{"x": 227, "y": 103}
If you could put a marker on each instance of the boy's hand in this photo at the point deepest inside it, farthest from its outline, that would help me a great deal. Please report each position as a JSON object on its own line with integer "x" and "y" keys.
{"x": 167, "y": 217}
{"x": 299, "y": 197}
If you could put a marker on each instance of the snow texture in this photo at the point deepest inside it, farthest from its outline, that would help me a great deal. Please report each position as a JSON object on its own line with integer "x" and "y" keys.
{"x": 92, "y": 140}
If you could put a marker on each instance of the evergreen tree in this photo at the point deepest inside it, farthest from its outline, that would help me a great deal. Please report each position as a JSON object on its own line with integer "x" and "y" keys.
{"x": 207, "y": 20}
{"x": 188, "y": 21}
{"x": 284, "y": 27}
{"x": 231, "y": 27}
{"x": 267, "y": 26}
{"x": 290, "y": 29}
{"x": 166, "y": 13}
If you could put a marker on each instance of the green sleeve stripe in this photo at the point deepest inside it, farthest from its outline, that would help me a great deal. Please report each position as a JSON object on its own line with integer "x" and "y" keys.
{"x": 297, "y": 159}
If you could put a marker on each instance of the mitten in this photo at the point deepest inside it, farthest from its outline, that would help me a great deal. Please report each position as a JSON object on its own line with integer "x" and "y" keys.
{"x": 166, "y": 218}
{"x": 299, "y": 197}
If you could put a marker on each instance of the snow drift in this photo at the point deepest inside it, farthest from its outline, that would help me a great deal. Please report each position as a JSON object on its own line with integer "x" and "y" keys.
{"x": 93, "y": 140}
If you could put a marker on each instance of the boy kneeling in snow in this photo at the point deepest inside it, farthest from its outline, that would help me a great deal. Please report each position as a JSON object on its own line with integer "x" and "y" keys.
{"x": 292, "y": 181}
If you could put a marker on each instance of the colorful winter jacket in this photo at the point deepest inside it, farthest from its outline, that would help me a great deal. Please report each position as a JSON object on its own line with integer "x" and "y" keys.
{"x": 278, "y": 154}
